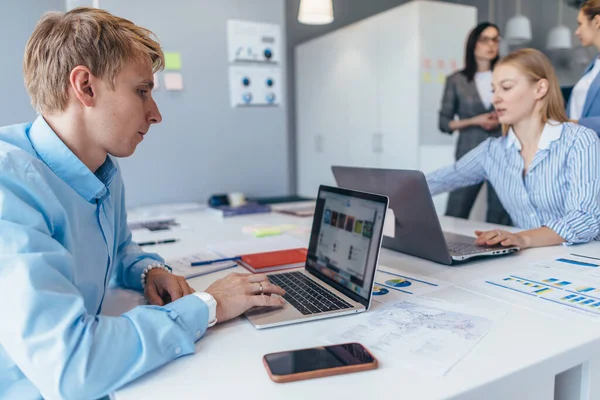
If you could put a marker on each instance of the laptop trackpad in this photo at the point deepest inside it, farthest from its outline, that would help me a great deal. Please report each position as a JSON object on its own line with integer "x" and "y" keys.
{"x": 287, "y": 311}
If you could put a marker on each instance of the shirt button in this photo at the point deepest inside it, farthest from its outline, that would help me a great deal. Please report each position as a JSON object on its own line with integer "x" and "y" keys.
{"x": 178, "y": 350}
{"x": 198, "y": 334}
{"x": 532, "y": 215}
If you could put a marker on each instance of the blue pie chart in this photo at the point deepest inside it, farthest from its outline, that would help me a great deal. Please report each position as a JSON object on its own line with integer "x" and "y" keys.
{"x": 399, "y": 282}
{"x": 379, "y": 291}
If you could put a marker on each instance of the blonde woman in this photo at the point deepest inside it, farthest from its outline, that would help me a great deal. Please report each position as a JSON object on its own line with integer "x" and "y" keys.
{"x": 545, "y": 169}
{"x": 584, "y": 102}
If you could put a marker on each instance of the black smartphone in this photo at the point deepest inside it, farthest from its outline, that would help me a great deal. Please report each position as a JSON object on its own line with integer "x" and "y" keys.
{"x": 316, "y": 362}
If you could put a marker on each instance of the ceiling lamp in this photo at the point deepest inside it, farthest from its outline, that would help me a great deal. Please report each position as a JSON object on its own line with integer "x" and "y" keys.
{"x": 315, "y": 12}
{"x": 559, "y": 37}
{"x": 518, "y": 28}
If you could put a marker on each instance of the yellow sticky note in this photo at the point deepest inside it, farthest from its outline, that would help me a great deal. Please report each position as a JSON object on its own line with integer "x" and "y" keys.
{"x": 268, "y": 231}
{"x": 172, "y": 61}
{"x": 426, "y": 77}
{"x": 441, "y": 78}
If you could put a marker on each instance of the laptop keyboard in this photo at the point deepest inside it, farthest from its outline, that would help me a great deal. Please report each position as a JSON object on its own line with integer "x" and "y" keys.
{"x": 466, "y": 248}
{"x": 305, "y": 295}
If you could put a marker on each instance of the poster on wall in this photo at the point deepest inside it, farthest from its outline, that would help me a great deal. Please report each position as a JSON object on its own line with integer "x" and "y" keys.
{"x": 253, "y": 42}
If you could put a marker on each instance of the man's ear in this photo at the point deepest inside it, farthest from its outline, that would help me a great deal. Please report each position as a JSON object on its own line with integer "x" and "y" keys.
{"x": 82, "y": 85}
{"x": 542, "y": 88}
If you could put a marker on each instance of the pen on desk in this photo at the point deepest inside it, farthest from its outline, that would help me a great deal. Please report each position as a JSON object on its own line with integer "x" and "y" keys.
{"x": 199, "y": 263}
{"x": 157, "y": 242}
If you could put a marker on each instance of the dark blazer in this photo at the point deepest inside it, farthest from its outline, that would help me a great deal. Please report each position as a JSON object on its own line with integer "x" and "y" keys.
{"x": 461, "y": 98}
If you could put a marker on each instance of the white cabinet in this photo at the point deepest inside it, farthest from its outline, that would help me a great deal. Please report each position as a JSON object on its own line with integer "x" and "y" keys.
{"x": 369, "y": 94}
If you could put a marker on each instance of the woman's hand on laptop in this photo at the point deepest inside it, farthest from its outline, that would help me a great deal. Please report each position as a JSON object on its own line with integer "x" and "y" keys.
{"x": 237, "y": 293}
{"x": 501, "y": 237}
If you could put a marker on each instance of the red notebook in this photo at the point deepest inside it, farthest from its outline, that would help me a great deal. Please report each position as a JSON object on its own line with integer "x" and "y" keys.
{"x": 274, "y": 260}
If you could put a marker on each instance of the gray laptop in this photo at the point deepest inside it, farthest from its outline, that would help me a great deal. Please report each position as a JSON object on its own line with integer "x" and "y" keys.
{"x": 417, "y": 227}
{"x": 341, "y": 262}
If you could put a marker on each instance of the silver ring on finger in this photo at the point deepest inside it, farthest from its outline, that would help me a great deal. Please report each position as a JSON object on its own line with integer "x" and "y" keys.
{"x": 260, "y": 288}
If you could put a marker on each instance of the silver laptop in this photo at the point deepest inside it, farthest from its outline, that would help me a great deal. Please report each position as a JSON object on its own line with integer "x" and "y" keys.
{"x": 417, "y": 227}
{"x": 341, "y": 262}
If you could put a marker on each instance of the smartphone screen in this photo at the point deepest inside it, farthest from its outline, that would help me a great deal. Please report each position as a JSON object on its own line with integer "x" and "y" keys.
{"x": 298, "y": 361}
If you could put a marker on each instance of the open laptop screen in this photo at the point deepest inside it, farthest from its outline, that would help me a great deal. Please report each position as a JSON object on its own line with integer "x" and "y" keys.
{"x": 345, "y": 240}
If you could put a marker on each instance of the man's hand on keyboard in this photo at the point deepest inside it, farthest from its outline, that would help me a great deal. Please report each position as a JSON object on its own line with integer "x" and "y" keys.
{"x": 237, "y": 293}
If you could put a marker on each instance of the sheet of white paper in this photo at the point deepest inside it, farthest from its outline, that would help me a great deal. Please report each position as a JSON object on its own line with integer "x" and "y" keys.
{"x": 256, "y": 245}
{"x": 427, "y": 335}
{"x": 570, "y": 283}
{"x": 182, "y": 266}
{"x": 389, "y": 224}
{"x": 393, "y": 280}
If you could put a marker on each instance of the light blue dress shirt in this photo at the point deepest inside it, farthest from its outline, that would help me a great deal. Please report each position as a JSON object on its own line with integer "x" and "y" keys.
{"x": 63, "y": 237}
{"x": 561, "y": 189}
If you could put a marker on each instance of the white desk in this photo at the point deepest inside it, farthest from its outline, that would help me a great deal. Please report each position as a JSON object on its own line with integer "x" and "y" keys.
{"x": 518, "y": 359}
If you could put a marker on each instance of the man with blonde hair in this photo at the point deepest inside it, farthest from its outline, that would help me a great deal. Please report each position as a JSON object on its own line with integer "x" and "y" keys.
{"x": 63, "y": 228}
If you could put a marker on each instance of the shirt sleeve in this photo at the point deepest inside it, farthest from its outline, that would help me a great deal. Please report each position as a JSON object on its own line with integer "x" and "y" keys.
{"x": 130, "y": 258}
{"x": 581, "y": 220}
{"x": 468, "y": 170}
{"x": 46, "y": 330}
{"x": 449, "y": 105}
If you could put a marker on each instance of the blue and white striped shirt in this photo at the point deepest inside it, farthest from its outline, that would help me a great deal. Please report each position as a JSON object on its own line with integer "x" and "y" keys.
{"x": 561, "y": 189}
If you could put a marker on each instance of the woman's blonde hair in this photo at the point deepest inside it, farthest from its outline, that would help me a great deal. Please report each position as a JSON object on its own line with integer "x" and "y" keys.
{"x": 536, "y": 66}
{"x": 83, "y": 36}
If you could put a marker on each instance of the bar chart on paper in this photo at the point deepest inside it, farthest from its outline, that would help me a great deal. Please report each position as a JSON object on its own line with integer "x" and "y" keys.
{"x": 571, "y": 282}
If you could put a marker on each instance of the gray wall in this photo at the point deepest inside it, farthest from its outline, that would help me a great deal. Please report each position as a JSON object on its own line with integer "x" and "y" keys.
{"x": 17, "y": 21}
{"x": 203, "y": 146}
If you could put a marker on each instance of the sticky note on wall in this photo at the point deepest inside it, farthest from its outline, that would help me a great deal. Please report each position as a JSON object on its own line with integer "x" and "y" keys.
{"x": 173, "y": 81}
{"x": 172, "y": 61}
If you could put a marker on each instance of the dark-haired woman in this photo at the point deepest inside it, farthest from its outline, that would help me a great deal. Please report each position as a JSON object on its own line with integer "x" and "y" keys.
{"x": 468, "y": 95}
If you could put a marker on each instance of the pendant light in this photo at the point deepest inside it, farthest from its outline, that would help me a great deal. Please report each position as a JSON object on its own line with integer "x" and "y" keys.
{"x": 559, "y": 37}
{"x": 315, "y": 12}
{"x": 518, "y": 28}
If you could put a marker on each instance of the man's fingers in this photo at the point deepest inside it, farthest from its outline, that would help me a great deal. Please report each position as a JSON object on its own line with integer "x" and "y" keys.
{"x": 263, "y": 287}
{"x": 153, "y": 297}
{"x": 257, "y": 278}
{"x": 269, "y": 288}
{"x": 266, "y": 301}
